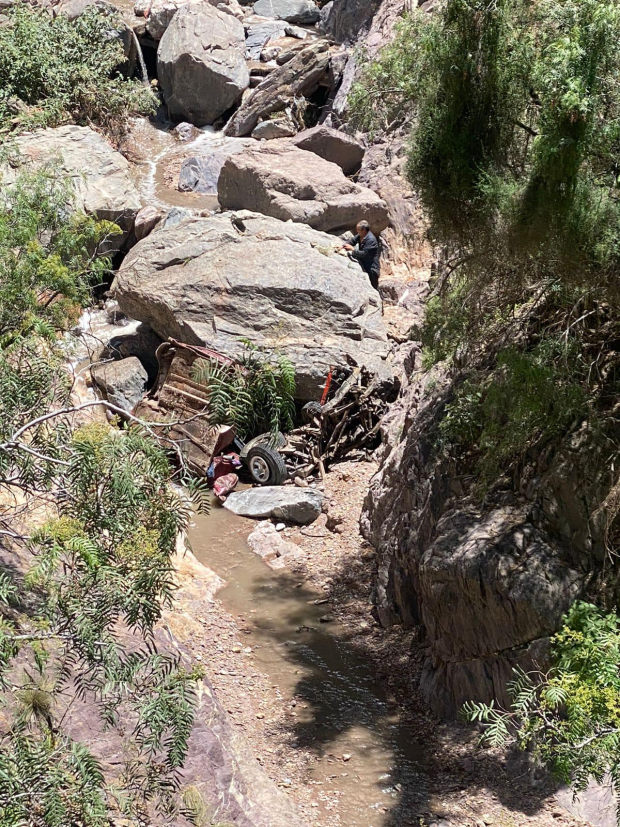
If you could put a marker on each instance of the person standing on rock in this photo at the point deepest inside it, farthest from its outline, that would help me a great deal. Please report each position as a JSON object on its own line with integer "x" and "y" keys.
{"x": 368, "y": 252}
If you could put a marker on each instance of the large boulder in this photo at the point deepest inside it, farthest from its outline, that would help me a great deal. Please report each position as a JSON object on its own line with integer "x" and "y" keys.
{"x": 289, "y": 183}
{"x": 300, "y": 76}
{"x": 217, "y": 279}
{"x": 334, "y": 146}
{"x": 122, "y": 383}
{"x": 282, "y": 502}
{"x": 345, "y": 20}
{"x": 101, "y": 177}
{"x": 201, "y": 64}
{"x": 159, "y": 13}
{"x": 293, "y": 11}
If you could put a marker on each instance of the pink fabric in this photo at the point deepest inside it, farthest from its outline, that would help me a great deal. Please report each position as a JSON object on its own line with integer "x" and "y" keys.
{"x": 224, "y": 485}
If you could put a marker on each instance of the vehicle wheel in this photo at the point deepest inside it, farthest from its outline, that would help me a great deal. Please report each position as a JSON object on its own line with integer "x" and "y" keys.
{"x": 311, "y": 410}
{"x": 274, "y": 441}
{"x": 266, "y": 465}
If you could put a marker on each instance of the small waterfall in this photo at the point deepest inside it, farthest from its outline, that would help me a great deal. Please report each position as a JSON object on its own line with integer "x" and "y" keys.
{"x": 143, "y": 72}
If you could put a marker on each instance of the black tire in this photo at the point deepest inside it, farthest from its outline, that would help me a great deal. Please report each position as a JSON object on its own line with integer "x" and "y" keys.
{"x": 266, "y": 465}
{"x": 274, "y": 441}
{"x": 311, "y": 410}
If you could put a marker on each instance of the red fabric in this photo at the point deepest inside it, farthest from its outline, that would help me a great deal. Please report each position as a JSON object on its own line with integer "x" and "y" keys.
{"x": 224, "y": 485}
{"x": 223, "y": 465}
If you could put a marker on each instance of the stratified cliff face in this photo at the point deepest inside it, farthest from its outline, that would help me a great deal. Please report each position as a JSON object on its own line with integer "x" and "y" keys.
{"x": 488, "y": 583}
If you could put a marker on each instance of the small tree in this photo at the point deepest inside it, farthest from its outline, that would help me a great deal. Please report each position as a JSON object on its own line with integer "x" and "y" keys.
{"x": 88, "y": 524}
{"x": 569, "y": 716}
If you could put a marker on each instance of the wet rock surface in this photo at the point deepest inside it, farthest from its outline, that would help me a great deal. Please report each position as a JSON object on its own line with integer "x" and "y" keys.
{"x": 202, "y": 48}
{"x": 282, "y": 502}
{"x": 216, "y": 280}
{"x": 291, "y": 184}
{"x": 201, "y": 172}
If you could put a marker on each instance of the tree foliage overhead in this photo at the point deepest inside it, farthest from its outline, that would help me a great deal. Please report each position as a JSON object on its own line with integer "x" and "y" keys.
{"x": 516, "y": 135}
{"x": 54, "y": 70}
{"x": 88, "y": 525}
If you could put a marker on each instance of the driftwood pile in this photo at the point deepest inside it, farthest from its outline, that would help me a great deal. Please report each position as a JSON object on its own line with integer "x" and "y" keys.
{"x": 347, "y": 426}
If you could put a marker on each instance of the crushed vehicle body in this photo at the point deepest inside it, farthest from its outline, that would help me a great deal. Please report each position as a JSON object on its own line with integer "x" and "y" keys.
{"x": 180, "y": 407}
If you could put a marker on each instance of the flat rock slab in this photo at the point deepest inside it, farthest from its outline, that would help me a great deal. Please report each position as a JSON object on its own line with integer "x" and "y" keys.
{"x": 293, "y": 505}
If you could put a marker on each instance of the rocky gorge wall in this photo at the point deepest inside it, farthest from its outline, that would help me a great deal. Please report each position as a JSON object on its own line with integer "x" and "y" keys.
{"x": 489, "y": 579}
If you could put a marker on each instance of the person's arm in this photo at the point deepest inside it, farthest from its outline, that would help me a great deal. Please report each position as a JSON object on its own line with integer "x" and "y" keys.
{"x": 366, "y": 252}
{"x": 350, "y": 246}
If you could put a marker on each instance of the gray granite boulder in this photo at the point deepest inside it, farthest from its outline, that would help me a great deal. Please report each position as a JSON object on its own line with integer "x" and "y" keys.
{"x": 293, "y": 11}
{"x": 332, "y": 145}
{"x": 215, "y": 280}
{"x": 282, "y": 502}
{"x": 201, "y": 65}
{"x": 101, "y": 176}
{"x": 274, "y": 128}
{"x": 122, "y": 383}
{"x": 289, "y": 183}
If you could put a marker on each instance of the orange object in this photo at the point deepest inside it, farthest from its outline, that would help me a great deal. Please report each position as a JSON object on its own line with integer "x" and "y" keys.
{"x": 328, "y": 383}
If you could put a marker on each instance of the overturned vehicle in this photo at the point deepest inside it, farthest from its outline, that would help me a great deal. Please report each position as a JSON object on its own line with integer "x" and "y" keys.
{"x": 182, "y": 402}
{"x": 344, "y": 424}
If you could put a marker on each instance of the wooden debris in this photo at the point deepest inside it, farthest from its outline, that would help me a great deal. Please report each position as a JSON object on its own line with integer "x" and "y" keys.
{"x": 348, "y": 427}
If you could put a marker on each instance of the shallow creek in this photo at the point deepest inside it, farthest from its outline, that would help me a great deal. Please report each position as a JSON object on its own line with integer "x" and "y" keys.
{"x": 341, "y": 709}
{"x": 156, "y": 156}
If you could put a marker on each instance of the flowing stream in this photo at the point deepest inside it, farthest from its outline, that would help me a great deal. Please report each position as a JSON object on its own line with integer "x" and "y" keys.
{"x": 343, "y": 710}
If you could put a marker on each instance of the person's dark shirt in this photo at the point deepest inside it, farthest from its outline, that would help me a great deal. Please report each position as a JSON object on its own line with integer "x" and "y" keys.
{"x": 368, "y": 253}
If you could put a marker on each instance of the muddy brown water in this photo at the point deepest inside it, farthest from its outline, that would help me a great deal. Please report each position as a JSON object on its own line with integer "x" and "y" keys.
{"x": 341, "y": 708}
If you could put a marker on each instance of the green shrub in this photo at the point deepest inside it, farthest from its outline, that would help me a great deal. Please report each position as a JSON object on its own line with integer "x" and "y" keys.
{"x": 570, "y": 716}
{"x": 53, "y": 70}
{"x": 527, "y": 400}
{"x": 48, "y": 258}
{"x": 256, "y": 394}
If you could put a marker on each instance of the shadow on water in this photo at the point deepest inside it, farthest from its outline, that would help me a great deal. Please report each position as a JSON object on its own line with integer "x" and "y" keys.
{"x": 341, "y": 707}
